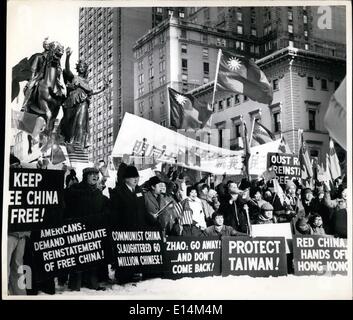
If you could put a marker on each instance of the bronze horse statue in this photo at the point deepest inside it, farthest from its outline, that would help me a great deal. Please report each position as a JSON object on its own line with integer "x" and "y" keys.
{"x": 48, "y": 96}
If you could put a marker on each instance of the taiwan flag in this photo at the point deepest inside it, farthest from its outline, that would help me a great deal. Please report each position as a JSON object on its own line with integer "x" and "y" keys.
{"x": 187, "y": 112}
{"x": 238, "y": 74}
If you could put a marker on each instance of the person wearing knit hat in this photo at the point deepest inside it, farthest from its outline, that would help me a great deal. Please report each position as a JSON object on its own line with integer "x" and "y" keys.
{"x": 266, "y": 214}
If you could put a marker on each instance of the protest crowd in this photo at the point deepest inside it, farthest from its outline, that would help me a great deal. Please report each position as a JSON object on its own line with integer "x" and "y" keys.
{"x": 176, "y": 206}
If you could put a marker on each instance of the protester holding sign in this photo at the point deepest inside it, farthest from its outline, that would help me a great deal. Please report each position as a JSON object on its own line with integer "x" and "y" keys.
{"x": 219, "y": 229}
{"x": 82, "y": 200}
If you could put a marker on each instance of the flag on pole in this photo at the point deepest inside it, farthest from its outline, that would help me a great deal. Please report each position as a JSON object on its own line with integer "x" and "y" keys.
{"x": 283, "y": 146}
{"x": 334, "y": 163}
{"x": 261, "y": 135}
{"x": 247, "y": 152}
{"x": 336, "y": 116}
{"x": 238, "y": 74}
{"x": 279, "y": 191}
{"x": 304, "y": 158}
{"x": 186, "y": 111}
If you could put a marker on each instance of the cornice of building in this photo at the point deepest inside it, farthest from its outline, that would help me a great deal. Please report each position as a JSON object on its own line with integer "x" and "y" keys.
{"x": 294, "y": 53}
{"x": 178, "y": 23}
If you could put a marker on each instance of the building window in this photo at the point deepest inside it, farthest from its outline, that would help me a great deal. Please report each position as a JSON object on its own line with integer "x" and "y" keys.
{"x": 183, "y": 34}
{"x": 276, "y": 122}
{"x": 220, "y": 105}
{"x": 240, "y": 29}
{"x": 184, "y": 77}
{"x": 151, "y": 72}
{"x": 310, "y": 82}
{"x": 229, "y": 102}
{"x": 205, "y": 52}
{"x": 206, "y": 67}
{"x": 237, "y": 131}
{"x": 236, "y": 99}
{"x": 184, "y": 48}
{"x": 312, "y": 125}
{"x": 291, "y": 44}
{"x": 275, "y": 84}
{"x": 323, "y": 84}
{"x": 181, "y": 15}
{"x": 239, "y": 16}
{"x": 290, "y": 28}
{"x": 161, "y": 52}
{"x": 305, "y": 33}
{"x": 205, "y": 80}
{"x": 141, "y": 78}
{"x": 150, "y": 59}
{"x": 162, "y": 66}
{"x": 305, "y": 19}
{"x": 184, "y": 64}
{"x": 150, "y": 86}
{"x": 159, "y": 10}
{"x": 306, "y": 46}
{"x": 253, "y": 32}
{"x": 290, "y": 16}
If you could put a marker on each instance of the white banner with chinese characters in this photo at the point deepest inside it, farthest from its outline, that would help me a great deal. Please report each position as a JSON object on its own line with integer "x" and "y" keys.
{"x": 140, "y": 137}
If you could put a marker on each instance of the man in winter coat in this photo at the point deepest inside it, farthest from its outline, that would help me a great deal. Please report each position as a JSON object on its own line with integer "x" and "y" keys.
{"x": 232, "y": 207}
{"x": 128, "y": 209}
{"x": 83, "y": 200}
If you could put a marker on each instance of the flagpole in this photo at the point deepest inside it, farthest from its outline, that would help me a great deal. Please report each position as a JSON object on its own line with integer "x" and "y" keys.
{"x": 216, "y": 77}
{"x": 252, "y": 131}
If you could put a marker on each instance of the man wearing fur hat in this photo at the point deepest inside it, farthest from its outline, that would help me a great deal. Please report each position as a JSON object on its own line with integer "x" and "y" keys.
{"x": 127, "y": 201}
{"x": 265, "y": 215}
{"x": 82, "y": 200}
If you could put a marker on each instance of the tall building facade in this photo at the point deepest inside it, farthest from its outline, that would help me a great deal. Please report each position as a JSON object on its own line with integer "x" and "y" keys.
{"x": 106, "y": 38}
{"x": 176, "y": 54}
{"x": 303, "y": 59}
{"x": 316, "y": 28}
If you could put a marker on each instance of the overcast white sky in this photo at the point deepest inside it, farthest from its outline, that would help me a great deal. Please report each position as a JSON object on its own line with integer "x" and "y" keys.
{"x": 29, "y": 22}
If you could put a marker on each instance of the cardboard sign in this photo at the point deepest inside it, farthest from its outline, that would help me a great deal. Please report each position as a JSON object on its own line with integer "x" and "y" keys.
{"x": 285, "y": 165}
{"x": 192, "y": 257}
{"x": 75, "y": 245}
{"x": 36, "y": 199}
{"x": 274, "y": 230}
{"x": 256, "y": 257}
{"x": 139, "y": 251}
{"x": 319, "y": 255}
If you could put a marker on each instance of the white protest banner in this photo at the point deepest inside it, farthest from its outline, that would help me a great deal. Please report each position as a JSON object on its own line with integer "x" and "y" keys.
{"x": 140, "y": 137}
{"x": 274, "y": 230}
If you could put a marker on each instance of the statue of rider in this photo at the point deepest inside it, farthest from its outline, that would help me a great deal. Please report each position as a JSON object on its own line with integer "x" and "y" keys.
{"x": 37, "y": 63}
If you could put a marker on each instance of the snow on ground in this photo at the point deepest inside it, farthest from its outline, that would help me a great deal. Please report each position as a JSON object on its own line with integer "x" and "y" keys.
{"x": 220, "y": 288}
